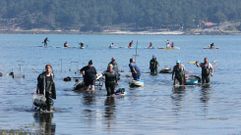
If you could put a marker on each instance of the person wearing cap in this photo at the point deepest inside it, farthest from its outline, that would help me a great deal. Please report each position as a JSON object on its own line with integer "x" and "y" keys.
{"x": 115, "y": 67}
{"x": 135, "y": 71}
{"x": 178, "y": 73}
{"x": 110, "y": 80}
{"x": 89, "y": 73}
{"x": 154, "y": 66}
{"x": 207, "y": 70}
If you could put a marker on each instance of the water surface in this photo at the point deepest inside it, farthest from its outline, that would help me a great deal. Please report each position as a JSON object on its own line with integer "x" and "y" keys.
{"x": 155, "y": 109}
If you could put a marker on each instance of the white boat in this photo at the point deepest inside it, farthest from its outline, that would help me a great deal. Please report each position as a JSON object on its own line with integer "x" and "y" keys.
{"x": 136, "y": 83}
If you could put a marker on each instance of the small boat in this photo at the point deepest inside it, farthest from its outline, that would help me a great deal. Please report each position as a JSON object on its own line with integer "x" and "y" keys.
{"x": 211, "y": 48}
{"x": 136, "y": 83}
{"x": 192, "y": 80}
{"x": 166, "y": 70}
{"x": 80, "y": 86}
{"x": 149, "y": 47}
{"x": 170, "y": 48}
{"x": 113, "y": 47}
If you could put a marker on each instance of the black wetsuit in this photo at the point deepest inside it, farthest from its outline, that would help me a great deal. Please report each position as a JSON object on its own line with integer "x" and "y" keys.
{"x": 179, "y": 75}
{"x": 46, "y": 42}
{"x": 89, "y": 75}
{"x": 110, "y": 82}
{"x": 153, "y": 66}
{"x": 46, "y": 83}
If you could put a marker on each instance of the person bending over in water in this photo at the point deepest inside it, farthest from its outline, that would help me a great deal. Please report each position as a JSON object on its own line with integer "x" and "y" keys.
{"x": 135, "y": 71}
{"x": 110, "y": 80}
{"x": 178, "y": 74}
{"x": 207, "y": 70}
{"x": 46, "y": 86}
{"x": 89, "y": 73}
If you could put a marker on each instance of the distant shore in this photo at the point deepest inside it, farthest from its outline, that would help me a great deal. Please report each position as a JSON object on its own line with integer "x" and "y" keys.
{"x": 120, "y": 32}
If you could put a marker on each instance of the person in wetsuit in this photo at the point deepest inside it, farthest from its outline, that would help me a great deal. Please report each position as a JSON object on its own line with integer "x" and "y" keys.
{"x": 135, "y": 71}
{"x": 81, "y": 45}
{"x": 130, "y": 44}
{"x": 212, "y": 46}
{"x": 45, "y": 42}
{"x": 110, "y": 80}
{"x": 207, "y": 70}
{"x": 89, "y": 73}
{"x": 66, "y": 44}
{"x": 46, "y": 86}
{"x": 150, "y": 45}
{"x": 178, "y": 74}
{"x": 154, "y": 66}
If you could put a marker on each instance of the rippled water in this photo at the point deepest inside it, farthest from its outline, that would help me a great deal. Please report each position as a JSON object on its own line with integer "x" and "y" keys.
{"x": 155, "y": 109}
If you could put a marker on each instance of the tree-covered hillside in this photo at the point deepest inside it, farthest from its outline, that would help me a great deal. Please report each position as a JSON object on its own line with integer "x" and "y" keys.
{"x": 97, "y": 15}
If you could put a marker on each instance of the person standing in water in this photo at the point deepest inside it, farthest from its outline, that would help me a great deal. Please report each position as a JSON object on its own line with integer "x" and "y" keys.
{"x": 111, "y": 45}
{"x": 46, "y": 86}
{"x": 110, "y": 80}
{"x": 130, "y": 44}
{"x": 178, "y": 74}
{"x": 135, "y": 71}
{"x": 154, "y": 65}
{"x": 150, "y": 46}
{"x": 115, "y": 67}
{"x": 89, "y": 73}
{"x": 207, "y": 70}
{"x": 45, "y": 42}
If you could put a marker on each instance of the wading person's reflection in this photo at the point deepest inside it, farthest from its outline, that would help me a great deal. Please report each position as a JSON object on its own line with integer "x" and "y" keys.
{"x": 177, "y": 99}
{"x": 88, "y": 99}
{"x": 45, "y": 122}
{"x": 109, "y": 110}
{"x": 205, "y": 94}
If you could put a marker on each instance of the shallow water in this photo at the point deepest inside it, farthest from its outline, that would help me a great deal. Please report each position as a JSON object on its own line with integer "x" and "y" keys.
{"x": 155, "y": 109}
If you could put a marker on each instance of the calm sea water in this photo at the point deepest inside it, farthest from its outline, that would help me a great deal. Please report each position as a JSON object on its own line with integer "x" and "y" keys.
{"x": 155, "y": 109}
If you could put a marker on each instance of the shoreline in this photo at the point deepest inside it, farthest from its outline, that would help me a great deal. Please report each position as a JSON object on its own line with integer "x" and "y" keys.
{"x": 119, "y": 32}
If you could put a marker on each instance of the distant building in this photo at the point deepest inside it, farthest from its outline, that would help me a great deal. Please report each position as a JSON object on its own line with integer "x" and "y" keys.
{"x": 208, "y": 24}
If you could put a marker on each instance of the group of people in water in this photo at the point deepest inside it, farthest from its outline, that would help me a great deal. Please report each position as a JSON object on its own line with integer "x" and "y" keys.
{"x": 169, "y": 45}
{"x": 66, "y": 45}
{"x": 178, "y": 71}
{"x": 46, "y": 85}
